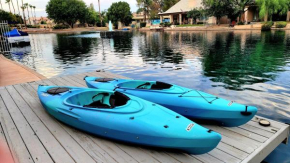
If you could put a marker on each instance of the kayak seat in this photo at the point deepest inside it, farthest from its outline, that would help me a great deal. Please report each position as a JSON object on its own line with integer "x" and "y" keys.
{"x": 97, "y": 104}
{"x": 118, "y": 99}
{"x": 104, "y": 80}
{"x": 160, "y": 86}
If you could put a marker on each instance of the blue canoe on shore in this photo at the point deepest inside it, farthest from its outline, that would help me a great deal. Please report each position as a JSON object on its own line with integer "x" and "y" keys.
{"x": 193, "y": 104}
{"x": 126, "y": 118}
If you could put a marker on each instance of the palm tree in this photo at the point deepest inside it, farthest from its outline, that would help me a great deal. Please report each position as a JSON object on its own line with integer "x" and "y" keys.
{"x": 8, "y": 1}
{"x": 100, "y": 13}
{"x": 32, "y": 14}
{"x": 12, "y": 6}
{"x": 18, "y": 7}
{"x": 144, "y": 4}
{"x": 23, "y": 7}
{"x": 27, "y": 6}
{"x": 1, "y": 5}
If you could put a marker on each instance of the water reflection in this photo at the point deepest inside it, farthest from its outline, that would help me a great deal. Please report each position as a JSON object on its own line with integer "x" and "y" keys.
{"x": 237, "y": 61}
{"x": 72, "y": 50}
{"x": 250, "y": 67}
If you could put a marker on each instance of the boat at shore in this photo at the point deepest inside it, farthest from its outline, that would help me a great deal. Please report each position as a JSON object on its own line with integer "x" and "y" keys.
{"x": 16, "y": 37}
{"x": 126, "y": 118}
{"x": 194, "y": 104}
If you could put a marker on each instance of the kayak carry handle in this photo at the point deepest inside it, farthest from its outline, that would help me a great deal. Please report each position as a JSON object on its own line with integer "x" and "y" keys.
{"x": 246, "y": 113}
{"x": 85, "y": 77}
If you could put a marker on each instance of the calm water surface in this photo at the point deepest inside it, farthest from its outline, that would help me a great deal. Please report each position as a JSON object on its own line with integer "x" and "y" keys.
{"x": 248, "y": 67}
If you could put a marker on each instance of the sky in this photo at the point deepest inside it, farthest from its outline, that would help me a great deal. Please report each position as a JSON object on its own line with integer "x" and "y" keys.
{"x": 40, "y": 5}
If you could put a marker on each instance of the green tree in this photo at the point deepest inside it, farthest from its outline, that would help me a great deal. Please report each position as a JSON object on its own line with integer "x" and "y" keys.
{"x": 155, "y": 8}
{"x": 120, "y": 11}
{"x": 66, "y": 11}
{"x": 218, "y": 8}
{"x": 270, "y": 7}
{"x": 145, "y": 5}
{"x": 194, "y": 14}
{"x": 238, "y": 7}
{"x": 104, "y": 18}
{"x": 12, "y": 18}
{"x": 91, "y": 16}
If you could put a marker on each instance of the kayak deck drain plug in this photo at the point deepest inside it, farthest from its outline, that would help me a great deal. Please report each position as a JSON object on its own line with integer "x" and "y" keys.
{"x": 177, "y": 117}
{"x": 131, "y": 118}
{"x": 166, "y": 126}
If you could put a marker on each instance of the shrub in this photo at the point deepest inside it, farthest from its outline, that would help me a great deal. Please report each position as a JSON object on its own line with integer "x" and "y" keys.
{"x": 61, "y": 26}
{"x": 143, "y": 24}
{"x": 267, "y": 26}
{"x": 166, "y": 24}
{"x": 32, "y": 26}
{"x": 281, "y": 24}
{"x": 241, "y": 23}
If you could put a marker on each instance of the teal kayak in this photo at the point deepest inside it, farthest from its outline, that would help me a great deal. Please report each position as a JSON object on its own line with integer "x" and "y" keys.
{"x": 126, "y": 118}
{"x": 190, "y": 103}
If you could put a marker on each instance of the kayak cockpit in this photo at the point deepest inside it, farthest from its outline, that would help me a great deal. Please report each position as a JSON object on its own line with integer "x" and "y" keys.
{"x": 101, "y": 100}
{"x": 150, "y": 85}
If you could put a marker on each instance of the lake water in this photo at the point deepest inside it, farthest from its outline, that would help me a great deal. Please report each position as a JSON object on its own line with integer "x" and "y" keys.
{"x": 249, "y": 67}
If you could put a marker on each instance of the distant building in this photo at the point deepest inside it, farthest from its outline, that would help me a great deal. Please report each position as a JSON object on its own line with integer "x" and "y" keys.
{"x": 178, "y": 13}
{"x": 39, "y": 20}
{"x": 139, "y": 17}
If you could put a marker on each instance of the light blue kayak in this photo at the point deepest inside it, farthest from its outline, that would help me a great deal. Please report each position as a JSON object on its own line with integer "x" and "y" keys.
{"x": 126, "y": 118}
{"x": 193, "y": 104}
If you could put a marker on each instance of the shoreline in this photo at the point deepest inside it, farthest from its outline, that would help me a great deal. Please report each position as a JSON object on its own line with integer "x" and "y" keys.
{"x": 69, "y": 30}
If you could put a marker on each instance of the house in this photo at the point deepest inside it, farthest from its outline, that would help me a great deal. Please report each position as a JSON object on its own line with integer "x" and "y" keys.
{"x": 178, "y": 13}
{"x": 39, "y": 20}
{"x": 139, "y": 17}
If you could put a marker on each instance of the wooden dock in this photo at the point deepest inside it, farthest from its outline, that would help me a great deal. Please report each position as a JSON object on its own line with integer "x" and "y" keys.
{"x": 13, "y": 73}
{"x": 32, "y": 135}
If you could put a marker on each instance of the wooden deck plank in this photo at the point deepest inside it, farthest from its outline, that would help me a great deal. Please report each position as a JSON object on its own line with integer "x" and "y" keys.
{"x": 32, "y": 142}
{"x": 248, "y": 134}
{"x": 71, "y": 146}
{"x": 5, "y": 150}
{"x": 55, "y": 150}
{"x": 268, "y": 128}
{"x": 224, "y": 156}
{"x": 274, "y": 124}
{"x": 257, "y": 130}
{"x": 16, "y": 144}
{"x": 92, "y": 148}
{"x": 232, "y": 150}
{"x": 235, "y": 136}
